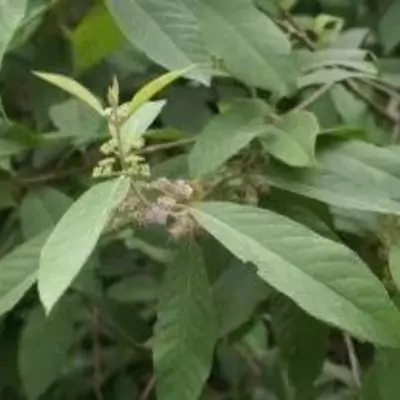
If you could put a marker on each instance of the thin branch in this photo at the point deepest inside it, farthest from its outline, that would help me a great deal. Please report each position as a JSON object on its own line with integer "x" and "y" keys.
{"x": 148, "y": 389}
{"x": 311, "y": 99}
{"x": 166, "y": 146}
{"x": 97, "y": 363}
{"x": 53, "y": 176}
{"x": 251, "y": 363}
{"x": 353, "y": 360}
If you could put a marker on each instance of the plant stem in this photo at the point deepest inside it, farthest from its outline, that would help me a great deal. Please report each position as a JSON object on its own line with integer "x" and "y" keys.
{"x": 166, "y": 146}
{"x": 148, "y": 389}
{"x": 97, "y": 365}
{"x": 117, "y": 127}
{"x": 315, "y": 96}
{"x": 353, "y": 360}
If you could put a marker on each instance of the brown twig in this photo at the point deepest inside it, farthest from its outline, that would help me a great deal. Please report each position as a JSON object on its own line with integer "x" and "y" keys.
{"x": 148, "y": 389}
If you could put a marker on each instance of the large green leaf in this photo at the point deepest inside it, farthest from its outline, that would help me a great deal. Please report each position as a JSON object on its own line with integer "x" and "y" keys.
{"x": 166, "y": 31}
{"x": 11, "y": 15}
{"x": 225, "y": 136}
{"x": 186, "y": 331}
{"x": 382, "y": 380}
{"x": 237, "y": 292}
{"x": 305, "y": 266}
{"x": 252, "y": 47}
{"x": 389, "y": 28}
{"x": 87, "y": 49}
{"x": 18, "y": 271}
{"x": 44, "y": 348}
{"x": 41, "y": 209}
{"x": 302, "y": 342}
{"x": 74, "y": 238}
{"x": 292, "y": 139}
{"x": 350, "y": 174}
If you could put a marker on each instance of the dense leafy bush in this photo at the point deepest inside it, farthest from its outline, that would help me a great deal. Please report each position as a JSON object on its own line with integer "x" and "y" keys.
{"x": 199, "y": 199}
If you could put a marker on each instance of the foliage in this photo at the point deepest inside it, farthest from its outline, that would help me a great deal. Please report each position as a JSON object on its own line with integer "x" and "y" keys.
{"x": 199, "y": 199}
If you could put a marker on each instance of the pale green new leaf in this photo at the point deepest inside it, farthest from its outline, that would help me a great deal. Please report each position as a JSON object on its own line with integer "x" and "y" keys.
{"x": 148, "y": 91}
{"x": 351, "y": 174}
{"x": 11, "y": 15}
{"x": 166, "y": 31}
{"x": 305, "y": 266}
{"x": 18, "y": 272}
{"x": 139, "y": 122}
{"x": 185, "y": 333}
{"x": 292, "y": 139}
{"x": 74, "y": 88}
{"x": 252, "y": 47}
{"x": 74, "y": 238}
{"x": 224, "y": 136}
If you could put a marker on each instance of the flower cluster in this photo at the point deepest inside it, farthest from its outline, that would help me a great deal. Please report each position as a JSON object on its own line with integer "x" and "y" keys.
{"x": 167, "y": 207}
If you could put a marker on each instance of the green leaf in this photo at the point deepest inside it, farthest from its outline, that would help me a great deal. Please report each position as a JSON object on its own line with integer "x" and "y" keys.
{"x": 139, "y": 122}
{"x": 352, "y": 59}
{"x": 303, "y": 343}
{"x": 251, "y": 46}
{"x": 45, "y": 342}
{"x": 134, "y": 289}
{"x": 351, "y": 109}
{"x": 382, "y": 380}
{"x": 329, "y": 76}
{"x": 88, "y": 50}
{"x": 352, "y": 174}
{"x": 185, "y": 333}
{"x": 394, "y": 261}
{"x": 41, "y": 209}
{"x": 18, "y": 272}
{"x": 389, "y": 28}
{"x": 74, "y": 238}
{"x": 74, "y": 88}
{"x": 237, "y": 292}
{"x": 166, "y": 31}
{"x": 305, "y": 266}
{"x": 11, "y": 15}
{"x": 148, "y": 91}
{"x": 292, "y": 139}
{"x": 77, "y": 121}
{"x": 6, "y": 198}
{"x": 225, "y": 136}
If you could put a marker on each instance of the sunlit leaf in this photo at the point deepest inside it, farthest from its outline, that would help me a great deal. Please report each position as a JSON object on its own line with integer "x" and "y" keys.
{"x": 74, "y": 88}
{"x": 74, "y": 238}
{"x": 305, "y": 266}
